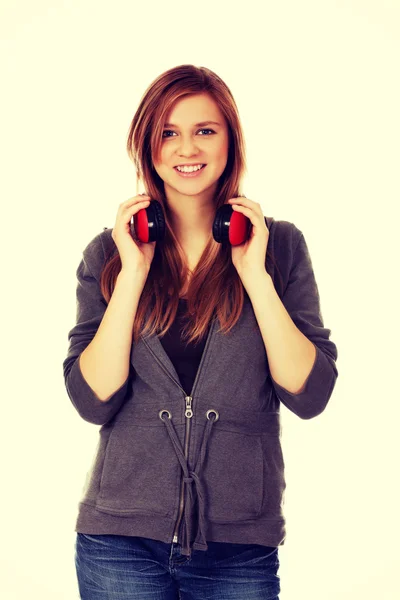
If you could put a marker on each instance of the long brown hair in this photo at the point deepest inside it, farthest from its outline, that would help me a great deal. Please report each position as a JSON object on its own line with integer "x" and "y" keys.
{"x": 215, "y": 286}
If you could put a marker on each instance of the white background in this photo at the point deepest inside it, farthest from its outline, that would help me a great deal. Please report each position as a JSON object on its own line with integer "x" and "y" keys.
{"x": 317, "y": 86}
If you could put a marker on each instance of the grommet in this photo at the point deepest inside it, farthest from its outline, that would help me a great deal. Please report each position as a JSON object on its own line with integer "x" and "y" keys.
{"x": 164, "y": 410}
{"x": 216, "y": 413}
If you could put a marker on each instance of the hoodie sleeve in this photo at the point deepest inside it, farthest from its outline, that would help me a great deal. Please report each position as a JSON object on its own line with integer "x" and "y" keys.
{"x": 301, "y": 300}
{"x": 90, "y": 308}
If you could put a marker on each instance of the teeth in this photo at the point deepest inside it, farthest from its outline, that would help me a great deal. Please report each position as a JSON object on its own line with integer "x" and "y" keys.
{"x": 189, "y": 169}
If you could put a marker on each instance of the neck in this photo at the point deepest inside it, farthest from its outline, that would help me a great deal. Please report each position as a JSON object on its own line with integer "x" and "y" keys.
{"x": 191, "y": 216}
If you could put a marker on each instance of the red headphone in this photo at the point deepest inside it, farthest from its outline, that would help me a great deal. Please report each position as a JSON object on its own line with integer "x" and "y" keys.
{"x": 229, "y": 226}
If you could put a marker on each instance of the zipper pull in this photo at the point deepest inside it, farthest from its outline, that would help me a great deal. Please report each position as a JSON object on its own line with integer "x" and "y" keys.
{"x": 188, "y": 411}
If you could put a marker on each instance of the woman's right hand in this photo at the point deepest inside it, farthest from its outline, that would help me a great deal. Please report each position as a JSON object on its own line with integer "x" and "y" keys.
{"x": 135, "y": 255}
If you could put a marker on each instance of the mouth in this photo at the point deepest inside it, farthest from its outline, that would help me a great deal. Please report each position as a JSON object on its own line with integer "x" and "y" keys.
{"x": 190, "y": 173}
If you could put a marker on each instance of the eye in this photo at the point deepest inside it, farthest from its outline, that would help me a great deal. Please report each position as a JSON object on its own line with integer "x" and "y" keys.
{"x": 170, "y": 131}
{"x": 167, "y": 131}
{"x": 212, "y": 131}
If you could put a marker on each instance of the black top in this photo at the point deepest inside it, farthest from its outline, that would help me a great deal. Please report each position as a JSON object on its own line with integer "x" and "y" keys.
{"x": 185, "y": 357}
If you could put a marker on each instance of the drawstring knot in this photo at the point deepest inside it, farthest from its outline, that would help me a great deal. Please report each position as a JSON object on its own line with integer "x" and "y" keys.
{"x": 190, "y": 477}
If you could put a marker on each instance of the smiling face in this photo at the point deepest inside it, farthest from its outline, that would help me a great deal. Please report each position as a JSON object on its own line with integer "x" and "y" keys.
{"x": 189, "y": 138}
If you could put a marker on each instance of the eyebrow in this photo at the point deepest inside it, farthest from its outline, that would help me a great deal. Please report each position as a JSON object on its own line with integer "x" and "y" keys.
{"x": 196, "y": 125}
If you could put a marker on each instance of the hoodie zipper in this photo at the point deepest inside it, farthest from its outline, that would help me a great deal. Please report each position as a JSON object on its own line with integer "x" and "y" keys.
{"x": 188, "y": 415}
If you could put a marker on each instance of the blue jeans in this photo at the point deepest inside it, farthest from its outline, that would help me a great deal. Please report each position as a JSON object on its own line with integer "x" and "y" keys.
{"x": 118, "y": 567}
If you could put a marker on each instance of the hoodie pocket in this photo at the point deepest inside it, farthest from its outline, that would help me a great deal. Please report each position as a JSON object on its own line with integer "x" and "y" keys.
{"x": 140, "y": 472}
{"x": 233, "y": 476}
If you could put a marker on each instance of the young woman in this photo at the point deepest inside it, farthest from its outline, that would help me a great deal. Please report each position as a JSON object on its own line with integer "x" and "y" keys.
{"x": 192, "y": 328}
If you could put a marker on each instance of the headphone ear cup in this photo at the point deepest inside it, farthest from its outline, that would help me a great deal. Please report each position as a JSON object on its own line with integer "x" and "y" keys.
{"x": 149, "y": 223}
{"x": 220, "y": 232}
{"x": 156, "y": 221}
{"x": 231, "y": 226}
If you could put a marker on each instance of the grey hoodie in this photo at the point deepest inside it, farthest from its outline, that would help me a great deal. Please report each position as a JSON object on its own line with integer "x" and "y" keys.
{"x": 216, "y": 474}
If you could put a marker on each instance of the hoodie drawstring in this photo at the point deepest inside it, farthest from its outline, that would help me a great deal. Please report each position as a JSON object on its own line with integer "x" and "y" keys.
{"x": 189, "y": 478}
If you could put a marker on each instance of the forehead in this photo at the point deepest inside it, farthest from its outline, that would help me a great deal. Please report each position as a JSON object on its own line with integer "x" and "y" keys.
{"x": 193, "y": 109}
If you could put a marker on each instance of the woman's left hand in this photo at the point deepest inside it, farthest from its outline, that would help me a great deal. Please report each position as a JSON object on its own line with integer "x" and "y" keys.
{"x": 249, "y": 258}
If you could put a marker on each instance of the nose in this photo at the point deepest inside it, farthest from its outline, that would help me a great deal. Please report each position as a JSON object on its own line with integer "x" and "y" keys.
{"x": 187, "y": 146}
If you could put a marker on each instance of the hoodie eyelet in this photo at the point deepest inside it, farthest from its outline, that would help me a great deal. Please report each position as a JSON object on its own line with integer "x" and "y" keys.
{"x": 216, "y": 413}
{"x": 164, "y": 410}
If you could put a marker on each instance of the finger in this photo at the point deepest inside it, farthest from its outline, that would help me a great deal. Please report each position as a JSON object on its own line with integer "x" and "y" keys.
{"x": 249, "y": 212}
{"x": 240, "y": 200}
{"x": 138, "y": 198}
